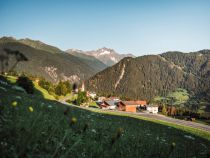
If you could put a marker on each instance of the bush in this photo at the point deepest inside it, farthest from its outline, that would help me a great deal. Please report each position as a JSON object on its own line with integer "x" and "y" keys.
{"x": 82, "y": 98}
{"x": 26, "y": 84}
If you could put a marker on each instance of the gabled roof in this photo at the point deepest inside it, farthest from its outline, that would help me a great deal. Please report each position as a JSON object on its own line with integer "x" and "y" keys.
{"x": 111, "y": 102}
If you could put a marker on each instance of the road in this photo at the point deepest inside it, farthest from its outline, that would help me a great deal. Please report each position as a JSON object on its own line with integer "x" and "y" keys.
{"x": 156, "y": 117}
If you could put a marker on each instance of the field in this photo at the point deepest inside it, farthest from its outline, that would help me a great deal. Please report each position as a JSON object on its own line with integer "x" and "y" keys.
{"x": 33, "y": 126}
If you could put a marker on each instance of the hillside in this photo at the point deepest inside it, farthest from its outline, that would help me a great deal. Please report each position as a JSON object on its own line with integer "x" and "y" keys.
{"x": 50, "y": 62}
{"x": 155, "y": 75}
{"x": 40, "y": 45}
{"x": 32, "y": 126}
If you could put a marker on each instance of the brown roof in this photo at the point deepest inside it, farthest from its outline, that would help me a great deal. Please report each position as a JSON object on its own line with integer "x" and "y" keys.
{"x": 129, "y": 103}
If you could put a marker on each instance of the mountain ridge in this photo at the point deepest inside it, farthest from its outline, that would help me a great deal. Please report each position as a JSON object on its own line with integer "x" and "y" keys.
{"x": 154, "y": 75}
{"x": 53, "y": 66}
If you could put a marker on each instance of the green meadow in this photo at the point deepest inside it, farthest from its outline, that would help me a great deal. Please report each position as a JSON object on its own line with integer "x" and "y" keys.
{"x": 39, "y": 126}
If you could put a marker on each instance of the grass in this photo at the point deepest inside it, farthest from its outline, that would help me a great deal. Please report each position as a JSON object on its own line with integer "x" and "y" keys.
{"x": 52, "y": 129}
{"x": 43, "y": 92}
{"x": 198, "y": 132}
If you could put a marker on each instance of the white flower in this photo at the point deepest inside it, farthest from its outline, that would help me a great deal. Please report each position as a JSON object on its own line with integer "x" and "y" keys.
{"x": 93, "y": 130}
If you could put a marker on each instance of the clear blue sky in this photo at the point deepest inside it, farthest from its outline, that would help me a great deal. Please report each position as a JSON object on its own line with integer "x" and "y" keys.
{"x": 128, "y": 26}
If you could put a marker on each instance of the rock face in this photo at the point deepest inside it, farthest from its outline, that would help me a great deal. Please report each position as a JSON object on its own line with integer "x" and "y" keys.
{"x": 49, "y": 62}
{"x": 105, "y": 55}
{"x": 108, "y": 56}
{"x": 152, "y": 75}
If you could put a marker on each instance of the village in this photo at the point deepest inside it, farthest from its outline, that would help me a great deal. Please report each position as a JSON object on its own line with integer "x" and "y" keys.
{"x": 115, "y": 103}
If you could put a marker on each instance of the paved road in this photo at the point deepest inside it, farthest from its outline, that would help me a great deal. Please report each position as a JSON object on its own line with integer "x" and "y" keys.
{"x": 157, "y": 117}
{"x": 176, "y": 121}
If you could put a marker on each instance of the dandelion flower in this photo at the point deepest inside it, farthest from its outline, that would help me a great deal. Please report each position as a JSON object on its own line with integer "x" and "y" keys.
{"x": 73, "y": 120}
{"x": 30, "y": 108}
{"x": 14, "y": 103}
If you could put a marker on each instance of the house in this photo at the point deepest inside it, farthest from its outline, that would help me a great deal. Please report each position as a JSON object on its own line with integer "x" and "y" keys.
{"x": 141, "y": 103}
{"x": 91, "y": 94}
{"x": 114, "y": 98}
{"x": 129, "y": 106}
{"x": 152, "y": 109}
{"x": 109, "y": 104}
{"x": 101, "y": 99}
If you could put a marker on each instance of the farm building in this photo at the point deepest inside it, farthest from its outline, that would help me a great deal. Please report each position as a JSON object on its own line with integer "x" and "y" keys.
{"x": 152, "y": 109}
{"x": 141, "y": 103}
{"x": 91, "y": 94}
{"x": 114, "y": 98}
{"x": 129, "y": 106}
{"x": 109, "y": 104}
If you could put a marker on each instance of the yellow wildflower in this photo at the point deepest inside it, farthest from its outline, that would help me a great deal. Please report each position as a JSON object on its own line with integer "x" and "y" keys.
{"x": 14, "y": 103}
{"x": 30, "y": 108}
{"x": 73, "y": 120}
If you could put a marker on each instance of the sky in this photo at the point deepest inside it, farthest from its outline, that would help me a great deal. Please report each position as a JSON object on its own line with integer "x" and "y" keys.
{"x": 127, "y": 26}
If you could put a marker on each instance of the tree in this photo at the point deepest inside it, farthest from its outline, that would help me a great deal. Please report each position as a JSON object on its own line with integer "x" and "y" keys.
{"x": 164, "y": 110}
{"x": 61, "y": 89}
{"x": 26, "y": 84}
{"x": 82, "y": 98}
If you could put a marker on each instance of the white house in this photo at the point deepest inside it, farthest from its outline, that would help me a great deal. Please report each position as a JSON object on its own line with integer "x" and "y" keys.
{"x": 152, "y": 109}
{"x": 91, "y": 94}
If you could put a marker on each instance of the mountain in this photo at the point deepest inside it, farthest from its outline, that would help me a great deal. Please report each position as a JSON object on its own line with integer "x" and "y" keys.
{"x": 155, "y": 75}
{"x": 98, "y": 65}
{"x": 48, "y": 61}
{"x": 40, "y": 45}
{"x": 105, "y": 55}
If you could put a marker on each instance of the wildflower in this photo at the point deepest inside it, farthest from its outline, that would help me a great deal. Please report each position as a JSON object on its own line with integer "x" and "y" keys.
{"x": 73, "y": 120}
{"x": 30, "y": 108}
{"x": 173, "y": 145}
{"x": 117, "y": 135}
{"x": 14, "y": 103}
{"x": 93, "y": 130}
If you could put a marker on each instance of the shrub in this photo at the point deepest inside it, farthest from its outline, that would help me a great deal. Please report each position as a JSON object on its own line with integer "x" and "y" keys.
{"x": 26, "y": 84}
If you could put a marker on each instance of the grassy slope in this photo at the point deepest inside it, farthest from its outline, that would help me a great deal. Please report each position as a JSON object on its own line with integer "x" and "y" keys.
{"x": 46, "y": 131}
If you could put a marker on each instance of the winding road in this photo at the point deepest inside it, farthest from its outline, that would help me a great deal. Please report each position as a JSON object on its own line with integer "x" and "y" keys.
{"x": 154, "y": 117}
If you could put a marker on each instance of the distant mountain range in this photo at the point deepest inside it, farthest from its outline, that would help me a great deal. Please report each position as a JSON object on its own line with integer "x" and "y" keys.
{"x": 105, "y": 55}
{"x": 50, "y": 62}
{"x": 155, "y": 75}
